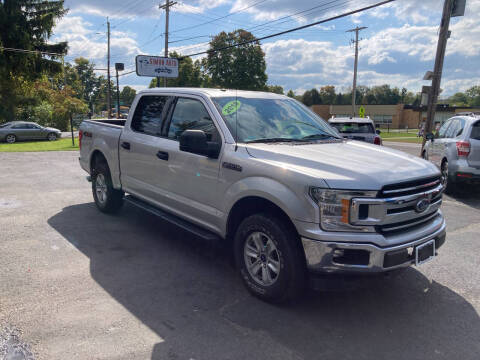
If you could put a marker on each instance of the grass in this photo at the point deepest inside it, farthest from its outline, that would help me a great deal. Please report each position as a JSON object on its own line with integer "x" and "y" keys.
{"x": 410, "y": 137}
{"x": 415, "y": 140}
{"x": 29, "y": 146}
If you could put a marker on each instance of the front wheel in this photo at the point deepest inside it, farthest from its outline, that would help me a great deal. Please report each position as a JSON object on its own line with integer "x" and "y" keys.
{"x": 269, "y": 258}
{"x": 107, "y": 199}
{"x": 10, "y": 138}
{"x": 52, "y": 137}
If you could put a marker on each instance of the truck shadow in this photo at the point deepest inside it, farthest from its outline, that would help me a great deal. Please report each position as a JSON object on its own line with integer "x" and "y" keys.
{"x": 188, "y": 293}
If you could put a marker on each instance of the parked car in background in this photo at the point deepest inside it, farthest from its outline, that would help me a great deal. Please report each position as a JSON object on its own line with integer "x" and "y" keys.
{"x": 22, "y": 130}
{"x": 455, "y": 149}
{"x": 356, "y": 128}
{"x": 260, "y": 170}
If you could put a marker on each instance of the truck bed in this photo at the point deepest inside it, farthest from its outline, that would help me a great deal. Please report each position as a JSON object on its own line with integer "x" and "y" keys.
{"x": 116, "y": 122}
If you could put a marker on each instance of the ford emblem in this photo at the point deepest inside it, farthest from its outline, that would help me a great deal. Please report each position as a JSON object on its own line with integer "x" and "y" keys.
{"x": 422, "y": 205}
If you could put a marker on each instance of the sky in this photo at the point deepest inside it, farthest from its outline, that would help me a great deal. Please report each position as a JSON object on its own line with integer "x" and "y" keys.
{"x": 397, "y": 48}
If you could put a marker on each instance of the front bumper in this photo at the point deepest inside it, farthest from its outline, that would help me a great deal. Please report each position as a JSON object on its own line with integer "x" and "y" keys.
{"x": 347, "y": 256}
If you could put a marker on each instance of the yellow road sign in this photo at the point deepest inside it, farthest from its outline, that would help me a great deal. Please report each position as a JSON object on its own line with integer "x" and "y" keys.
{"x": 361, "y": 112}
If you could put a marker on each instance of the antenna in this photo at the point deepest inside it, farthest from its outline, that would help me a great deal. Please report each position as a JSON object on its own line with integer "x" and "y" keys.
{"x": 236, "y": 120}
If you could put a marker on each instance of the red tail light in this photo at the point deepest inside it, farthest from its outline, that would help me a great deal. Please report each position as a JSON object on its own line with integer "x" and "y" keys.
{"x": 377, "y": 140}
{"x": 80, "y": 135}
{"x": 463, "y": 148}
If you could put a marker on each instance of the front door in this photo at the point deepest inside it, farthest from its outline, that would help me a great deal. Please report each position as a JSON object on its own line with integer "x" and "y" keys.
{"x": 192, "y": 180}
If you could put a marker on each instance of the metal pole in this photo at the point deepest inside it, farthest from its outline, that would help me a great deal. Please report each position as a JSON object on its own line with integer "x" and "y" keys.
{"x": 118, "y": 97}
{"x": 65, "y": 94}
{"x": 354, "y": 88}
{"x": 437, "y": 71}
{"x": 167, "y": 10}
{"x": 109, "y": 105}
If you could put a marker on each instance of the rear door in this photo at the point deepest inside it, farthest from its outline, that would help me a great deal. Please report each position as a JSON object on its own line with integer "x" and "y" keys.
{"x": 474, "y": 156}
{"x": 436, "y": 146}
{"x": 141, "y": 161}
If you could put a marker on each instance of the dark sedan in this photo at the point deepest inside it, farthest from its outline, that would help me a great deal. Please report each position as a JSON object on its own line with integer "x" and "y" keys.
{"x": 22, "y": 130}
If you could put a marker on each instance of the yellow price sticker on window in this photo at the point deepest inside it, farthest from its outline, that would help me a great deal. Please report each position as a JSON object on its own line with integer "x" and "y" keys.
{"x": 231, "y": 107}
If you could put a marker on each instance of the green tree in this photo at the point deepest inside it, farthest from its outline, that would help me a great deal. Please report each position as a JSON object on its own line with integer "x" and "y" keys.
{"x": 327, "y": 94}
{"x": 127, "y": 95}
{"x": 277, "y": 89}
{"x": 90, "y": 83}
{"x": 291, "y": 93}
{"x": 311, "y": 97}
{"x": 473, "y": 95}
{"x": 240, "y": 67}
{"x": 458, "y": 98}
{"x": 26, "y": 24}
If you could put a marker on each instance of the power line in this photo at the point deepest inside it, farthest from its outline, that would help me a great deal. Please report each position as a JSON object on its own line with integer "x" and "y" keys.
{"x": 30, "y": 51}
{"x": 294, "y": 29}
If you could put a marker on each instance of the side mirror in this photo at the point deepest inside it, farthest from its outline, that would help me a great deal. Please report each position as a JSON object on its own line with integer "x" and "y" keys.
{"x": 429, "y": 136}
{"x": 195, "y": 141}
{"x": 378, "y": 132}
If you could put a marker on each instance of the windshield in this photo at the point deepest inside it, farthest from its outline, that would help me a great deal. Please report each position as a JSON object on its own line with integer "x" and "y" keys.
{"x": 257, "y": 119}
{"x": 350, "y": 127}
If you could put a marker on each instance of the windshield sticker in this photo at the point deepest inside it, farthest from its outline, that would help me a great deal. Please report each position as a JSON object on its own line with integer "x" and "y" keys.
{"x": 231, "y": 107}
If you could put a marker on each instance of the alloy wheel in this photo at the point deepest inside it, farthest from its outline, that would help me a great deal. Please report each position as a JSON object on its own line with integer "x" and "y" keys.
{"x": 262, "y": 258}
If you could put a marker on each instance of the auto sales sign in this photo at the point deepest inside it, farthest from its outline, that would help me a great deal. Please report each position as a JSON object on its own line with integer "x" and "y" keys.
{"x": 156, "y": 66}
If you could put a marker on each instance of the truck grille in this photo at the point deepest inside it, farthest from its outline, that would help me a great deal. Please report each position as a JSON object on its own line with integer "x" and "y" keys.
{"x": 399, "y": 207}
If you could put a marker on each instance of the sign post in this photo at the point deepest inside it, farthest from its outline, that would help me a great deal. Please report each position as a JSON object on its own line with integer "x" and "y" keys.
{"x": 156, "y": 66}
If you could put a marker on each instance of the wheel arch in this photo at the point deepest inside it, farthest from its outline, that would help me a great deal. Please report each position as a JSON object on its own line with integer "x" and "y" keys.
{"x": 254, "y": 204}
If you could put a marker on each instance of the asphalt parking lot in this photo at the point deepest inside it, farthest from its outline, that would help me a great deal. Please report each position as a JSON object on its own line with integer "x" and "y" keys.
{"x": 78, "y": 284}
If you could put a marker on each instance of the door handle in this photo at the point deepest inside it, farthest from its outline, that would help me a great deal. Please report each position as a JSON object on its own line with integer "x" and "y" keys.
{"x": 162, "y": 155}
{"x": 125, "y": 145}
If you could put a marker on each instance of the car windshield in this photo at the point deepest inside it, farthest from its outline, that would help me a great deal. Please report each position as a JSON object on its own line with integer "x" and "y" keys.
{"x": 352, "y": 127}
{"x": 4, "y": 125}
{"x": 271, "y": 120}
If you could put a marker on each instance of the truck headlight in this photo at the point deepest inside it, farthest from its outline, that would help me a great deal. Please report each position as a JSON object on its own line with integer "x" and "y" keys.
{"x": 334, "y": 208}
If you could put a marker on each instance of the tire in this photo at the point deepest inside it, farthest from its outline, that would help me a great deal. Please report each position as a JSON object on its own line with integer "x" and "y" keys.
{"x": 10, "y": 138}
{"x": 107, "y": 199}
{"x": 286, "y": 256}
{"x": 447, "y": 181}
{"x": 52, "y": 137}
{"x": 424, "y": 155}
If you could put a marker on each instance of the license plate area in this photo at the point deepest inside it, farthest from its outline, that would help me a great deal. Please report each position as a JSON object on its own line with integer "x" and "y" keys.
{"x": 425, "y": 252}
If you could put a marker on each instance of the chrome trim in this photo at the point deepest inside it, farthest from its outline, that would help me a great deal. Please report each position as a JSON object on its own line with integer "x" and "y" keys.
{"x": 386, "y": 228}
{"x": 378, "y": 208}
{"x": 319, "y": 254}
{"x": 411, "y": 188}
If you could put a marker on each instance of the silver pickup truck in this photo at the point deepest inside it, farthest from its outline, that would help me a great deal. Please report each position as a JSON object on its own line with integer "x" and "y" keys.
{"x": 265, "y": 173}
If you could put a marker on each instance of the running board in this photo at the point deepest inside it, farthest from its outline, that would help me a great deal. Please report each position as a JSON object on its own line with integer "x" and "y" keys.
{"x": 173, "y": 219}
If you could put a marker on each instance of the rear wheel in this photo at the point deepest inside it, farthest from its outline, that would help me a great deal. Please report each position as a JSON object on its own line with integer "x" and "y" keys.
{"x": 447, "y": 181}
{"x": 10, "y": 138}
{"x": 269, "y": 258}
{"x": 52, "y": 137}
{"x": 107, "y": 199}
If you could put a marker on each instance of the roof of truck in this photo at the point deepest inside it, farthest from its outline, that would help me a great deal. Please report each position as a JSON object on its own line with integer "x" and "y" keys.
{"x": 350, "y": 120}
{"x": 215, "y": 92}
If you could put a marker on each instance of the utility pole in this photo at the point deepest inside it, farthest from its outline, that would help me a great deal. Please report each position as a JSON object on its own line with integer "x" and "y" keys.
{"x": 436, "y": 76}
{"x": 109, "y": 105}
{"x": 166, "y": 6}
{"x": 354, "y": 89}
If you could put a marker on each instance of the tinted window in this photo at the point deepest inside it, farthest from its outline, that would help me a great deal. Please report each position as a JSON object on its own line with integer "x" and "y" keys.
{"x": 475, "y": 131}
{"x": 5, "y": 125}
{"x": 20, "y": 126}
{"x": 349, "y": 127}
{"x": 149, "y": 114}
{"x": 443, "y": 129}
{"x": 190, "y": 114}
{"x": 455, "y": 128}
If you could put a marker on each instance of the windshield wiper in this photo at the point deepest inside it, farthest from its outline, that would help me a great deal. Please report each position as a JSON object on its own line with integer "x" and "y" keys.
{"x": 319, "y": 137}
{"x": 271, "y": 140}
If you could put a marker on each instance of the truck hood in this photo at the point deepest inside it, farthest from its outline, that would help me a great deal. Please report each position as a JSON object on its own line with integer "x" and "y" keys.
{"x": 346, "y": 164}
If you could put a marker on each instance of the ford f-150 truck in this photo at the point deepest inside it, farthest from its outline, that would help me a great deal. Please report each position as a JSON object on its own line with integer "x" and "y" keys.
{"x": 262, "y": 171}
